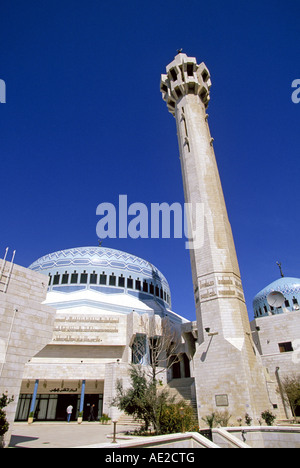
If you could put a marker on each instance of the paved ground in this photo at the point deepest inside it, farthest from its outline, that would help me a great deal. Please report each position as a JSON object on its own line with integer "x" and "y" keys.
{"x": 63, "y": 435}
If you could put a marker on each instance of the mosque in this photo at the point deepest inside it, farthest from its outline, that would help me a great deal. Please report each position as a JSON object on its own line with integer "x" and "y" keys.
{"x": 100, "y": 295}
{"x": 101, "y": 303}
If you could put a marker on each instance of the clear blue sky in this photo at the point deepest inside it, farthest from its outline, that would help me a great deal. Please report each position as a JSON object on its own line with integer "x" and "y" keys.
{"x": 84, "y": 122}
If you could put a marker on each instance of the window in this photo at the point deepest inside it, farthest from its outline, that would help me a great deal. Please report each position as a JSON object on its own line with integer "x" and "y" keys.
{"x": 138, "y": 285}
{"x": 103, "y": 278}
{"x": 173, "y": 74}
{"x": 145, "y": 286}
{"x": 157, "y": 291}
{"x": 50, "y": 279}
{"x": 190, "y": 69}
{"x": 56, "y": 279}
{"x": 295, "y": 302}
{"x": 83, "y": 278}
{"x": 203, "y": 95}
{"x": 112, "y": 280}
{"x": 151, "y": 289}
{"x": 93, "y": 278}
{"x": 178, "y": 92}
{"x": 130, "y": 283}
{"x": 191, "y": 88}
{"x": 65, "y": 278}
{"x": 204, "y": 75}
{"x": 285, "y": 347}
{"x": 74, "y": 278}
{"x": 287, "y": 303}
{"x": 121, "y": 281}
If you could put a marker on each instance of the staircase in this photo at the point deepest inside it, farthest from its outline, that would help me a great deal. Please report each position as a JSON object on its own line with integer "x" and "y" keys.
{"x": 126, "y": 420}
{"x": 182, "y": 389}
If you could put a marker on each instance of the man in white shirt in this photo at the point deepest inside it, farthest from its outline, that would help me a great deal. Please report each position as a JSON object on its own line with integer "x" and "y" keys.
{"x": 69, "y": 412}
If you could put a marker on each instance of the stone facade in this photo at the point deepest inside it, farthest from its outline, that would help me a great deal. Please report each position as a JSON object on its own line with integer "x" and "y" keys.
{"x": 277, "y": 339}
{"x": 99, "y": 329}
{"x": 26, "y": 326}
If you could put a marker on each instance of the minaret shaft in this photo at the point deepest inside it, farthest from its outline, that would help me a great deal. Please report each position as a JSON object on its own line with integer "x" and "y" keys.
{"x": 202, "y": 185}
{"x": 226, "y": 361}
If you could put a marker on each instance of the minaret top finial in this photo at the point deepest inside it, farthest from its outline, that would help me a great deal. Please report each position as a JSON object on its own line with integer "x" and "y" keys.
{"x": 279, "y": 265}
{"x": 179, "y": 51}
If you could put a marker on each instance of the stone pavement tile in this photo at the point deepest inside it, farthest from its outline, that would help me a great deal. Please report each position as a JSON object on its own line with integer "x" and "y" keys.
{"x": 62, "y": 435}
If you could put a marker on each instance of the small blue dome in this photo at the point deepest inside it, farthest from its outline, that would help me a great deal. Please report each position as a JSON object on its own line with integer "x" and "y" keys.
{"x": 289, "y": 287}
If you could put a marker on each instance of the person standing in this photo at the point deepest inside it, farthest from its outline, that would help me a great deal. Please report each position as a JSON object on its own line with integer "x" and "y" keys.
{"x": 69, "y": 412}
{"x": 91, "y": 416}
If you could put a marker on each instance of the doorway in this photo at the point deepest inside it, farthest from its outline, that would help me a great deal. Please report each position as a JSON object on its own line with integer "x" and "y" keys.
{"x": 63, "y": 401}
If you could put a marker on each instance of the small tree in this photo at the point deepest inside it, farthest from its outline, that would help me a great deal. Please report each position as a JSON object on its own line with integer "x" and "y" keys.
{"x": 248, "y": 419}
{"x": 4, "y": 402}
{"x": 209, "y": 420}
{"x": 142, "y": 400}
{"x": 268, "y": 417}
{"x": 217, "y": 418}
{"x": 291, "y": 389}
{"x": 160, "y": 342}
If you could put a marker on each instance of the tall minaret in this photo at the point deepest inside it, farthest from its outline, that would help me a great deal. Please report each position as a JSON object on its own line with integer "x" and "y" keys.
{"x": 228, "y": 370}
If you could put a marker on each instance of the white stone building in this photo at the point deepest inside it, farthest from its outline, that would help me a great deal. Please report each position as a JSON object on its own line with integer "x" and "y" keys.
{"x": 26, "y": 326}
{"x": 100, "y": 296}
{"x": 106, "y": 300}
{"x": 276, "y": 331}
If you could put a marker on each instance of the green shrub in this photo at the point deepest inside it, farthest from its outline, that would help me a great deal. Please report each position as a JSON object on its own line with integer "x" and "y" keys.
{"x": 176, "y": 417}
{"x": 268, "y": 417}
{"x": 4, "y": 402}
{"x": 217, "y": 418}
{"x": 104, "y": 418}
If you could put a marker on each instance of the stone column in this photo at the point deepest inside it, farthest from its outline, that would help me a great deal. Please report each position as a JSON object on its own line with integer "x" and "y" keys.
{"x": 228, "y": 371}
{"x": 81, "y": 406}
{"x": 32, "y": 406}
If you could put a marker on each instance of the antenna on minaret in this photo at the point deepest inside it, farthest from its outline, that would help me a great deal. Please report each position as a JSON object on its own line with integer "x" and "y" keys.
{"x": 100, "y": 242}
{"x": 279, "y": 265}
{"x": 179, "y": 51}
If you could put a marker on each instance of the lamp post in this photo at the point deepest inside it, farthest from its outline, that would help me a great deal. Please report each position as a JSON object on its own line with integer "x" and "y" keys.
{"x": 181, "y": 412}
{"x": 114, "y": 441}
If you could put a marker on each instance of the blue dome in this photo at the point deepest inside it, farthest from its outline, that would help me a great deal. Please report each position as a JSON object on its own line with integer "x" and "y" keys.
{"x": 103, "y": 269}
{"x": 289, "y": 287}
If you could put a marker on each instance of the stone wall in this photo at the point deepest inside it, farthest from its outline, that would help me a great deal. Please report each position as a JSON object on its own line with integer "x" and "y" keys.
{"x": 26, "y": 326}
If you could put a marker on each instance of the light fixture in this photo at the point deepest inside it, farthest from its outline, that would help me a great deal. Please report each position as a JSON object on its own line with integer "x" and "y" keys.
{"x": 114, "y": 441}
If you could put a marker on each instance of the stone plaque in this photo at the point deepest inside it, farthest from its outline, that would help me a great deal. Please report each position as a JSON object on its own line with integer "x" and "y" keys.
{"x": 221, "y": 400}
